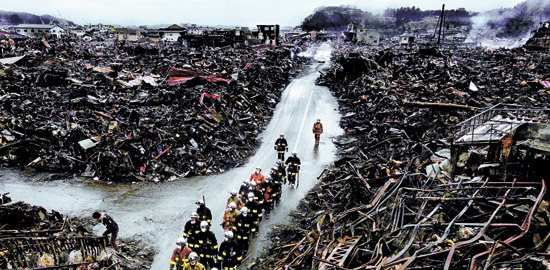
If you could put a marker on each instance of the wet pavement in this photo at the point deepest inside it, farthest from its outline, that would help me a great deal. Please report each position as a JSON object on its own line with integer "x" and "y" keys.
{"x": 156, "y": 213}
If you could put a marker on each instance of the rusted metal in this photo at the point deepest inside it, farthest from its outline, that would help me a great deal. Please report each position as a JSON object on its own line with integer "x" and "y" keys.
{"x": 340, "y": 253}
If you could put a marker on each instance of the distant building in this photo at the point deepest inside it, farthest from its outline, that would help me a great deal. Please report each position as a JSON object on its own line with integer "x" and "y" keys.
{"x": 129, "y": 34}
{"x": 77, "y": 31}
{"x": 171, "y": 33}
{"x": 406, "y": 39}
{"x": 38, "y": 30}
{"x": 268, "y": 34}
{"x": 368, "y": 36}
{"x": 100, "y": 27}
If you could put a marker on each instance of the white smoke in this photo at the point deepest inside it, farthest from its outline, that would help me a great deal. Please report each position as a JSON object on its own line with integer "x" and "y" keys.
{"x": 486, "y": 26}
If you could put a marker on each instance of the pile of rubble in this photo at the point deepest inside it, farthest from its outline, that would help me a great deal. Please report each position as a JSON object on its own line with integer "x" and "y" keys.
{"x": 390, "y": 201}
{"x": 32, "y": 237}
{"x": 134, "y": 112}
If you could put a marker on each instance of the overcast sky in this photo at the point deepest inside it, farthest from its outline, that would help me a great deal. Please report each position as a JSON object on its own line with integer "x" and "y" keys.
{"x": 217, "y": 12}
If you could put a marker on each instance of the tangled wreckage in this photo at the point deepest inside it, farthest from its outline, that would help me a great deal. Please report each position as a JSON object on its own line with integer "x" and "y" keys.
{"x": 437, "y": 170}
{"x": 120, "y": 111}
{"x": 33, "y": 238}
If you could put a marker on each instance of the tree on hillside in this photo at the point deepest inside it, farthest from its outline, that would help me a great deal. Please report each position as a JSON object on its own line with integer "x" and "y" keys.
{"x": 14, "y": 19}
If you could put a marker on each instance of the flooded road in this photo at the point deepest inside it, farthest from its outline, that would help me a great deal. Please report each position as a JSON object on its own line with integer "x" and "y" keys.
{"x": 157, "y": 212}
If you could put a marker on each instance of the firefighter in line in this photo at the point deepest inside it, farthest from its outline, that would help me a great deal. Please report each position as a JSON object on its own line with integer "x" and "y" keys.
{"x": 317, "y": 130}
{"x": 208, "y": 245}
{"x": 229, "y": 255}
{"x": 257, "y": 176}
{"x": 258, "y": 195}
{"x": 255, "y": 209}
{"x": 235, "y": 199}
{"x": 179, "y": 256}
{"x": 281, "y": 146}
{"x": 267, "y": 190}
{"x": 293, "y": 168}
{"x": 243, "y": 190}
{"x": 203, "y": 211}
{"x": 191, "y": 229}
{"x": 282, "y": 170}
{"x": 229, "y": 217}
{"x": 194, "y": 263}
{"x": 277, "y": 185}
{"x": 246, "y": 225}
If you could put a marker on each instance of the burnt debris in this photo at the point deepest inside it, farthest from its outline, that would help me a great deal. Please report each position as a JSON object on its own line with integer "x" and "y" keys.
{"x": 118, "y": 111}
{"x": 416, "y": 185}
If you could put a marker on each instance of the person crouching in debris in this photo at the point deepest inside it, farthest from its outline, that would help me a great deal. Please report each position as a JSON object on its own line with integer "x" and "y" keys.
{"x": 112, "y": 227}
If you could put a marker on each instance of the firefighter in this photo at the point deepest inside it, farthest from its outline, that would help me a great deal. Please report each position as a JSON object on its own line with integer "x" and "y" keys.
{"x": 293, "y": 168}
{"x": 258, "y": 195}
{"x": 243, "y": 190}
{"x": 234, "y": 198}
{"x": 194, "y": 263}
{"x": 257, "y": 176}
{"x": 229, "y": 217}
{"x": 281, "y": 146}
{"x": 179, "y": 256}
{"x": 245, "y": 226}
{"x": 208, "y": 245}
{"x": 255, "y": 209}
{"x": 229, "y": 255}
{"x": 191, "y": 229}
{"x": 277, "y": 184}
{"x": 317, "y": 130}
{"x": 203, "y": 211}
{"x": 267, "y": 190}
{"x": 282, "y": 170}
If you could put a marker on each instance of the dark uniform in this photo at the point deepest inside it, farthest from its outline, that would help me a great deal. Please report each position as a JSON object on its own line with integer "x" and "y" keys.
{"x": 277, "y": 184}
{"x": 281, "y": 146}
{"x": 282, "y": 172}
{"x": 204, "y": 213}
{"x": 293, "y": 167}
{"x": 208, "y": 246}
{"x": 267, "y": 190}
{"x": 255, "y": 210}
{"x": 245, "y": 227}
{"x": 190, "y": 232}
{"x": 229, "y": 255}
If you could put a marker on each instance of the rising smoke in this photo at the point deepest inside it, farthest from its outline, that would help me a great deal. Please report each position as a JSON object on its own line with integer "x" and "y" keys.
{"x": 509, "y": 27}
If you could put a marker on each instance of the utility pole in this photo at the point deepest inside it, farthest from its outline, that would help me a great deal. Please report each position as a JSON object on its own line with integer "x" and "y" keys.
{"x": 441, "y": 22}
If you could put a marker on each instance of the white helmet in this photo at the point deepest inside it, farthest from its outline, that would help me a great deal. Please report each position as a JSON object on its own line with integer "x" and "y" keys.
{"x": 232, "y": 206}
{"x": 258, "y": 168}
{"x": 253, "y": 183}
{"x": 246, "y": 182}
{"x": 194, "y": 215}
{"x": 268, "y": 178}
{"x": 181, "y": 241}
{"x": 229, "y": 234}
{"x": 233, "y": 192}
{"x": 204, "y": 223}
{"x": 294, "y": 153}
{"x": 282, "y": 135}
{"x": 200, "y": 202}
{"x": 250, "y": 195}
{"x": 193, "y": 258}
{"x": 244, "y": 210}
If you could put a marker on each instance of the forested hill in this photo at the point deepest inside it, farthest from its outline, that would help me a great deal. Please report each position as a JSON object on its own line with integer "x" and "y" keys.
{"x": 15, "y": 18}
